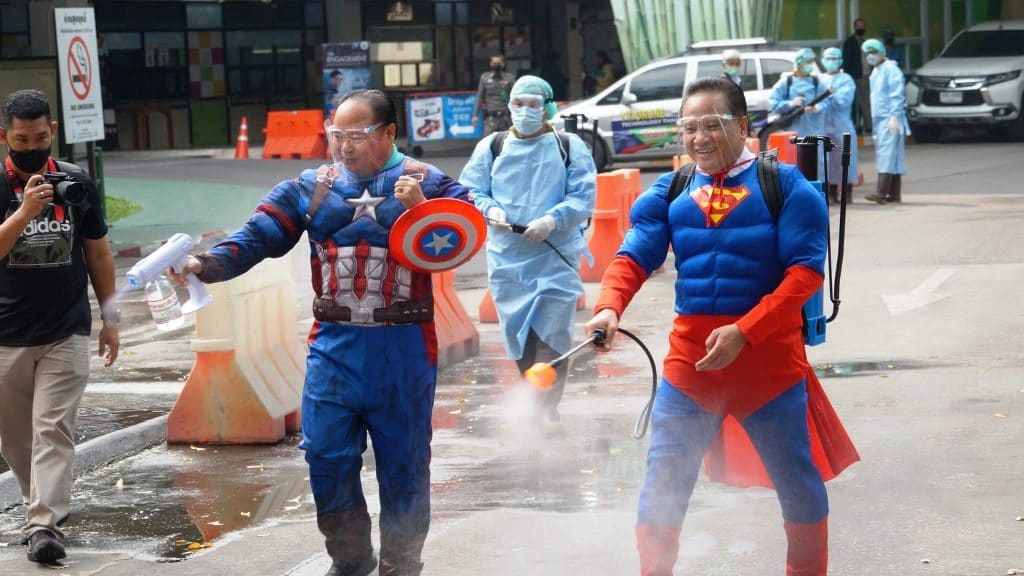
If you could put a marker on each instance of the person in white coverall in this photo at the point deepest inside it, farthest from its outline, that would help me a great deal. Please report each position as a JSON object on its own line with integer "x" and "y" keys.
{"x": 839, "y": 119}
{"x": 546, "y": 182}
{"x": 889, "y": 122}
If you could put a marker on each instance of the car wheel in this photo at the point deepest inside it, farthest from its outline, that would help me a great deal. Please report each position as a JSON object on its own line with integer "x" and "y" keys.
{"x": 925, "y": 134}
{"x": 598, "y": 149}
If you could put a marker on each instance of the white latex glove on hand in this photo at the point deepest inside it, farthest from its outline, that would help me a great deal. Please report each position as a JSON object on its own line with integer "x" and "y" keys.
{"x": 538, "y": 230}
{"x": 796, "y": 102}
{"x": 894, "y": 125}
{"x": 497, "y": 215}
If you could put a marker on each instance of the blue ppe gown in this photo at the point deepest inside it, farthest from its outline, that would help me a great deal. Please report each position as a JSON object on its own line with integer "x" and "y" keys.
{"x": 532, "y": 287}
{"x": 888, "y": 101}
{"x": 783, "y": 94}
{"x": 838, "y": 120}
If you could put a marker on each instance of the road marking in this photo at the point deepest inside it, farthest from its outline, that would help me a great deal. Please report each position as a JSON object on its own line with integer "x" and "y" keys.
{"x": 919, "y": 297}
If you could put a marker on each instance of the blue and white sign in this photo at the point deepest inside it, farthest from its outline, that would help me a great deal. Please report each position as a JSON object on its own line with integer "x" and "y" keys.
{"x": 442, "y": 116}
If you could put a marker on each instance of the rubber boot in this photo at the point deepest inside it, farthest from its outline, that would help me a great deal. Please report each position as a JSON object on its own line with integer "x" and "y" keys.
{"x": 658, "y": 547}
{"x": 894, "y": 193}
{"x": 400, "y": 556}
{"x": 347, "y": 535}
{"x": 807, "y": 554}
{"x": 883, "y": 190}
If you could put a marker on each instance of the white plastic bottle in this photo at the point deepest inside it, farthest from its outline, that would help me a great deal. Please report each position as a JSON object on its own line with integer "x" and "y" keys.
{"x": 163, "y": 304}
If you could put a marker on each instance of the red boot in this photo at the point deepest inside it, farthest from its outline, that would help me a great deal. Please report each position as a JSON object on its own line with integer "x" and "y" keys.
{"x": 658, "y": 547}
{"x": 808, "y": 548}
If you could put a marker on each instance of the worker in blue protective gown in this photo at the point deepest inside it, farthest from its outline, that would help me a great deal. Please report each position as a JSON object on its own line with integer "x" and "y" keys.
{"x": 889, "y": 122}
{"x": 545, "y": 181}
{"x": 372, "y": 361}
{"x": 797, "y": 90}
{"x": 838, "y": 119}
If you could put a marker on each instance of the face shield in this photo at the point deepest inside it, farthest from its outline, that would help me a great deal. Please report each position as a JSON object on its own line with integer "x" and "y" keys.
{"x": 359, "y": 150}
{"x": 710, "y": 140}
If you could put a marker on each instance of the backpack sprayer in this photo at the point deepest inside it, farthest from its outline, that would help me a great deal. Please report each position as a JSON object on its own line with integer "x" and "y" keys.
{"x": 807, "y": 163}
{"x": 171, "y": 255}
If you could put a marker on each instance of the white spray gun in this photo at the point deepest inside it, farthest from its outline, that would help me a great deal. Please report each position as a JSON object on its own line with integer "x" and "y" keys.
{"x": 172, "y": 254}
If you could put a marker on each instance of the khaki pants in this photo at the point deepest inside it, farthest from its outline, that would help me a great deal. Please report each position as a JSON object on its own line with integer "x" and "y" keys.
{"x": 40, "y": 389}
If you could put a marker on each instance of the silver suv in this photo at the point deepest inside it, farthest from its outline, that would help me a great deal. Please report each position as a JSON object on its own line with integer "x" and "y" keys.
{"x": 637, "y": 114}
{"x": 977, "y": 80}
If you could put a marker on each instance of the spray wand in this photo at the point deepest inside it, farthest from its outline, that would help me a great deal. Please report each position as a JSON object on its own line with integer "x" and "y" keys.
{"x": 542, "y": 374}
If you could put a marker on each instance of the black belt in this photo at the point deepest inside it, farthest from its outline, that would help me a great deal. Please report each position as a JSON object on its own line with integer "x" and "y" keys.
{"x": 418, "y": 312}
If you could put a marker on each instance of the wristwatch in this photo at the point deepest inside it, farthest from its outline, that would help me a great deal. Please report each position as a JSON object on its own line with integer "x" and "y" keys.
{"x": 111, "y": 318}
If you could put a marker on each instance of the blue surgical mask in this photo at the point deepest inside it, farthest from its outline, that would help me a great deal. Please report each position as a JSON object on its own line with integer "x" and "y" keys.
{"x": 831, "y": 65}
{"x": 808, "y": 68}
{"x": 732, "y": 71}
{"x": 528, "y": 120}
{"x": 873, "y": 59}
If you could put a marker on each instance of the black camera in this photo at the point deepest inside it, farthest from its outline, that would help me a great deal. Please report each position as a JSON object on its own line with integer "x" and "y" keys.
{"x": 66, "y": 190}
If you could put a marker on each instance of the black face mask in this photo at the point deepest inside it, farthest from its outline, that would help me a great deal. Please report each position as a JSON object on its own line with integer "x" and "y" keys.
{"x": 860, "y": 31}
{"x": 29, "y": 161}
{"x": 497, "y": 69}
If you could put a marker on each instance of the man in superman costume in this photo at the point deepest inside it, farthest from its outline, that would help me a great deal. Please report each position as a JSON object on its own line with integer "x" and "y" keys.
{"x": 737, "y": 389}
{"x": 372, "y": 360}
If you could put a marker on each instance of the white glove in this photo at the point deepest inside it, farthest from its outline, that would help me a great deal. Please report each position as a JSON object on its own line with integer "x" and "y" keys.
{"x": 538, "y": 230}
{"x": 497, "y": 215}
{"x": 796, "y": 102}
{"x": 894, "y": 125}
{"x": 812, "y": 109}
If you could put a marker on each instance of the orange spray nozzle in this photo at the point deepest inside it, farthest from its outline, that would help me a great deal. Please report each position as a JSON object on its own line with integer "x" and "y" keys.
{"x": 542, "y": 375}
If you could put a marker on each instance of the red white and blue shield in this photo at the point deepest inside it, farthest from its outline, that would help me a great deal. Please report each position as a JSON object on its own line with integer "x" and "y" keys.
{"x": 437, "y": 235}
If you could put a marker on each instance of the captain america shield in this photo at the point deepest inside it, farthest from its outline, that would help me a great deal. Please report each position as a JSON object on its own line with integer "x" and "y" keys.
{"x": 437, "y": 235}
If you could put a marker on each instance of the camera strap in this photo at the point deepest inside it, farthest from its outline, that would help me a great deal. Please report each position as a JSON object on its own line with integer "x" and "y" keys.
{"x": 17, "y": 187}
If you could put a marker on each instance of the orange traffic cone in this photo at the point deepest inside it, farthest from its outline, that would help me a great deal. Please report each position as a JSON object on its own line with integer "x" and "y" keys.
{"x": 242, "y": 144}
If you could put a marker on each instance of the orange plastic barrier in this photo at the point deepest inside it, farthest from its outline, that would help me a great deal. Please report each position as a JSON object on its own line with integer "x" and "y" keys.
{"x": 242, "y": 144}
{"x": 457, "y": 337}
{"x": 787, "y": 150}
{"x": 679, "y": 161}
{"x": 487, "y": 313}
{"x": 609, "y": 216}
{"x": 245, "y": 386}
{"x": 297, "y": 134}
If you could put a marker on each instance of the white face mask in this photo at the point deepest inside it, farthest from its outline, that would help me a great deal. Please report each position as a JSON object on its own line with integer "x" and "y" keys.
{"x": 528, "y": 120}
{"x": 873, "y": 59}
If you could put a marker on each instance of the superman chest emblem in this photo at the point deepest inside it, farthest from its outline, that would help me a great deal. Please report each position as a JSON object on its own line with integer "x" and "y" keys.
{"x": 717, "y": 203}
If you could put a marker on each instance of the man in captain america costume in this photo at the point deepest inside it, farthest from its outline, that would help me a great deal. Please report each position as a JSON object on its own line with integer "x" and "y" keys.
{"x": 372, "y": 360}
{"x": 737, "y": 390}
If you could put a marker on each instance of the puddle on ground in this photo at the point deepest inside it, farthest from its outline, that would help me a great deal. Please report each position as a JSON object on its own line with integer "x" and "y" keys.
{"x": 846, "y": 369}
{"x": 159, "y": 503}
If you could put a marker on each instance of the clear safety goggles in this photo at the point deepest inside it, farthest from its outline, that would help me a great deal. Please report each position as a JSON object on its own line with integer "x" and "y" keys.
{"x": 829, "y": 59}
{"x": 526, "y": 101}
{"x": 354, "y": 135}
{"x": 708, "y": 124}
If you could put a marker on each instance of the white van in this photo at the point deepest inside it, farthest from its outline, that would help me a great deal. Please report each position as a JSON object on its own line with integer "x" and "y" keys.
{"x": 637, "y": 114}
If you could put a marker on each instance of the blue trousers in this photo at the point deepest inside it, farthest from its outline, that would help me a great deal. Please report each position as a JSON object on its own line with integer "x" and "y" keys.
{"x": 682, "y": 432}
{"x": 376, "y": 380}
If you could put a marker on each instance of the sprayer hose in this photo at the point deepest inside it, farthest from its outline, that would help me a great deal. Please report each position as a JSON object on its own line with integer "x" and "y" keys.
{"x": 640, "y": 428}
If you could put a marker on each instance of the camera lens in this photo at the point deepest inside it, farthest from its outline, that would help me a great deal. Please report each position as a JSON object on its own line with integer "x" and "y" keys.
{"x": 69, "y": 192}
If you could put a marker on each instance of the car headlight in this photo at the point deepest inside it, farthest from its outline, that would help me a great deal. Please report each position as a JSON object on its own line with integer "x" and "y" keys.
{"x": 1004, "y": 77}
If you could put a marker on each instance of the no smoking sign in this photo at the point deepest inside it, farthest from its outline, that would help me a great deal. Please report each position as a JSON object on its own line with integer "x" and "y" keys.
{"x": 79, "y": 68}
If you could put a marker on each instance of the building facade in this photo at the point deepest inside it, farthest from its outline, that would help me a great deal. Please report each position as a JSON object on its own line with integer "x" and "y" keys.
{"x": 182, "y": 73}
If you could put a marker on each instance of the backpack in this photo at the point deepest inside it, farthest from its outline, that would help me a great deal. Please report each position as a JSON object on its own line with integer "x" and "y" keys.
{"x": 498, "y": 142}
{"x": 767, "y": 177}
